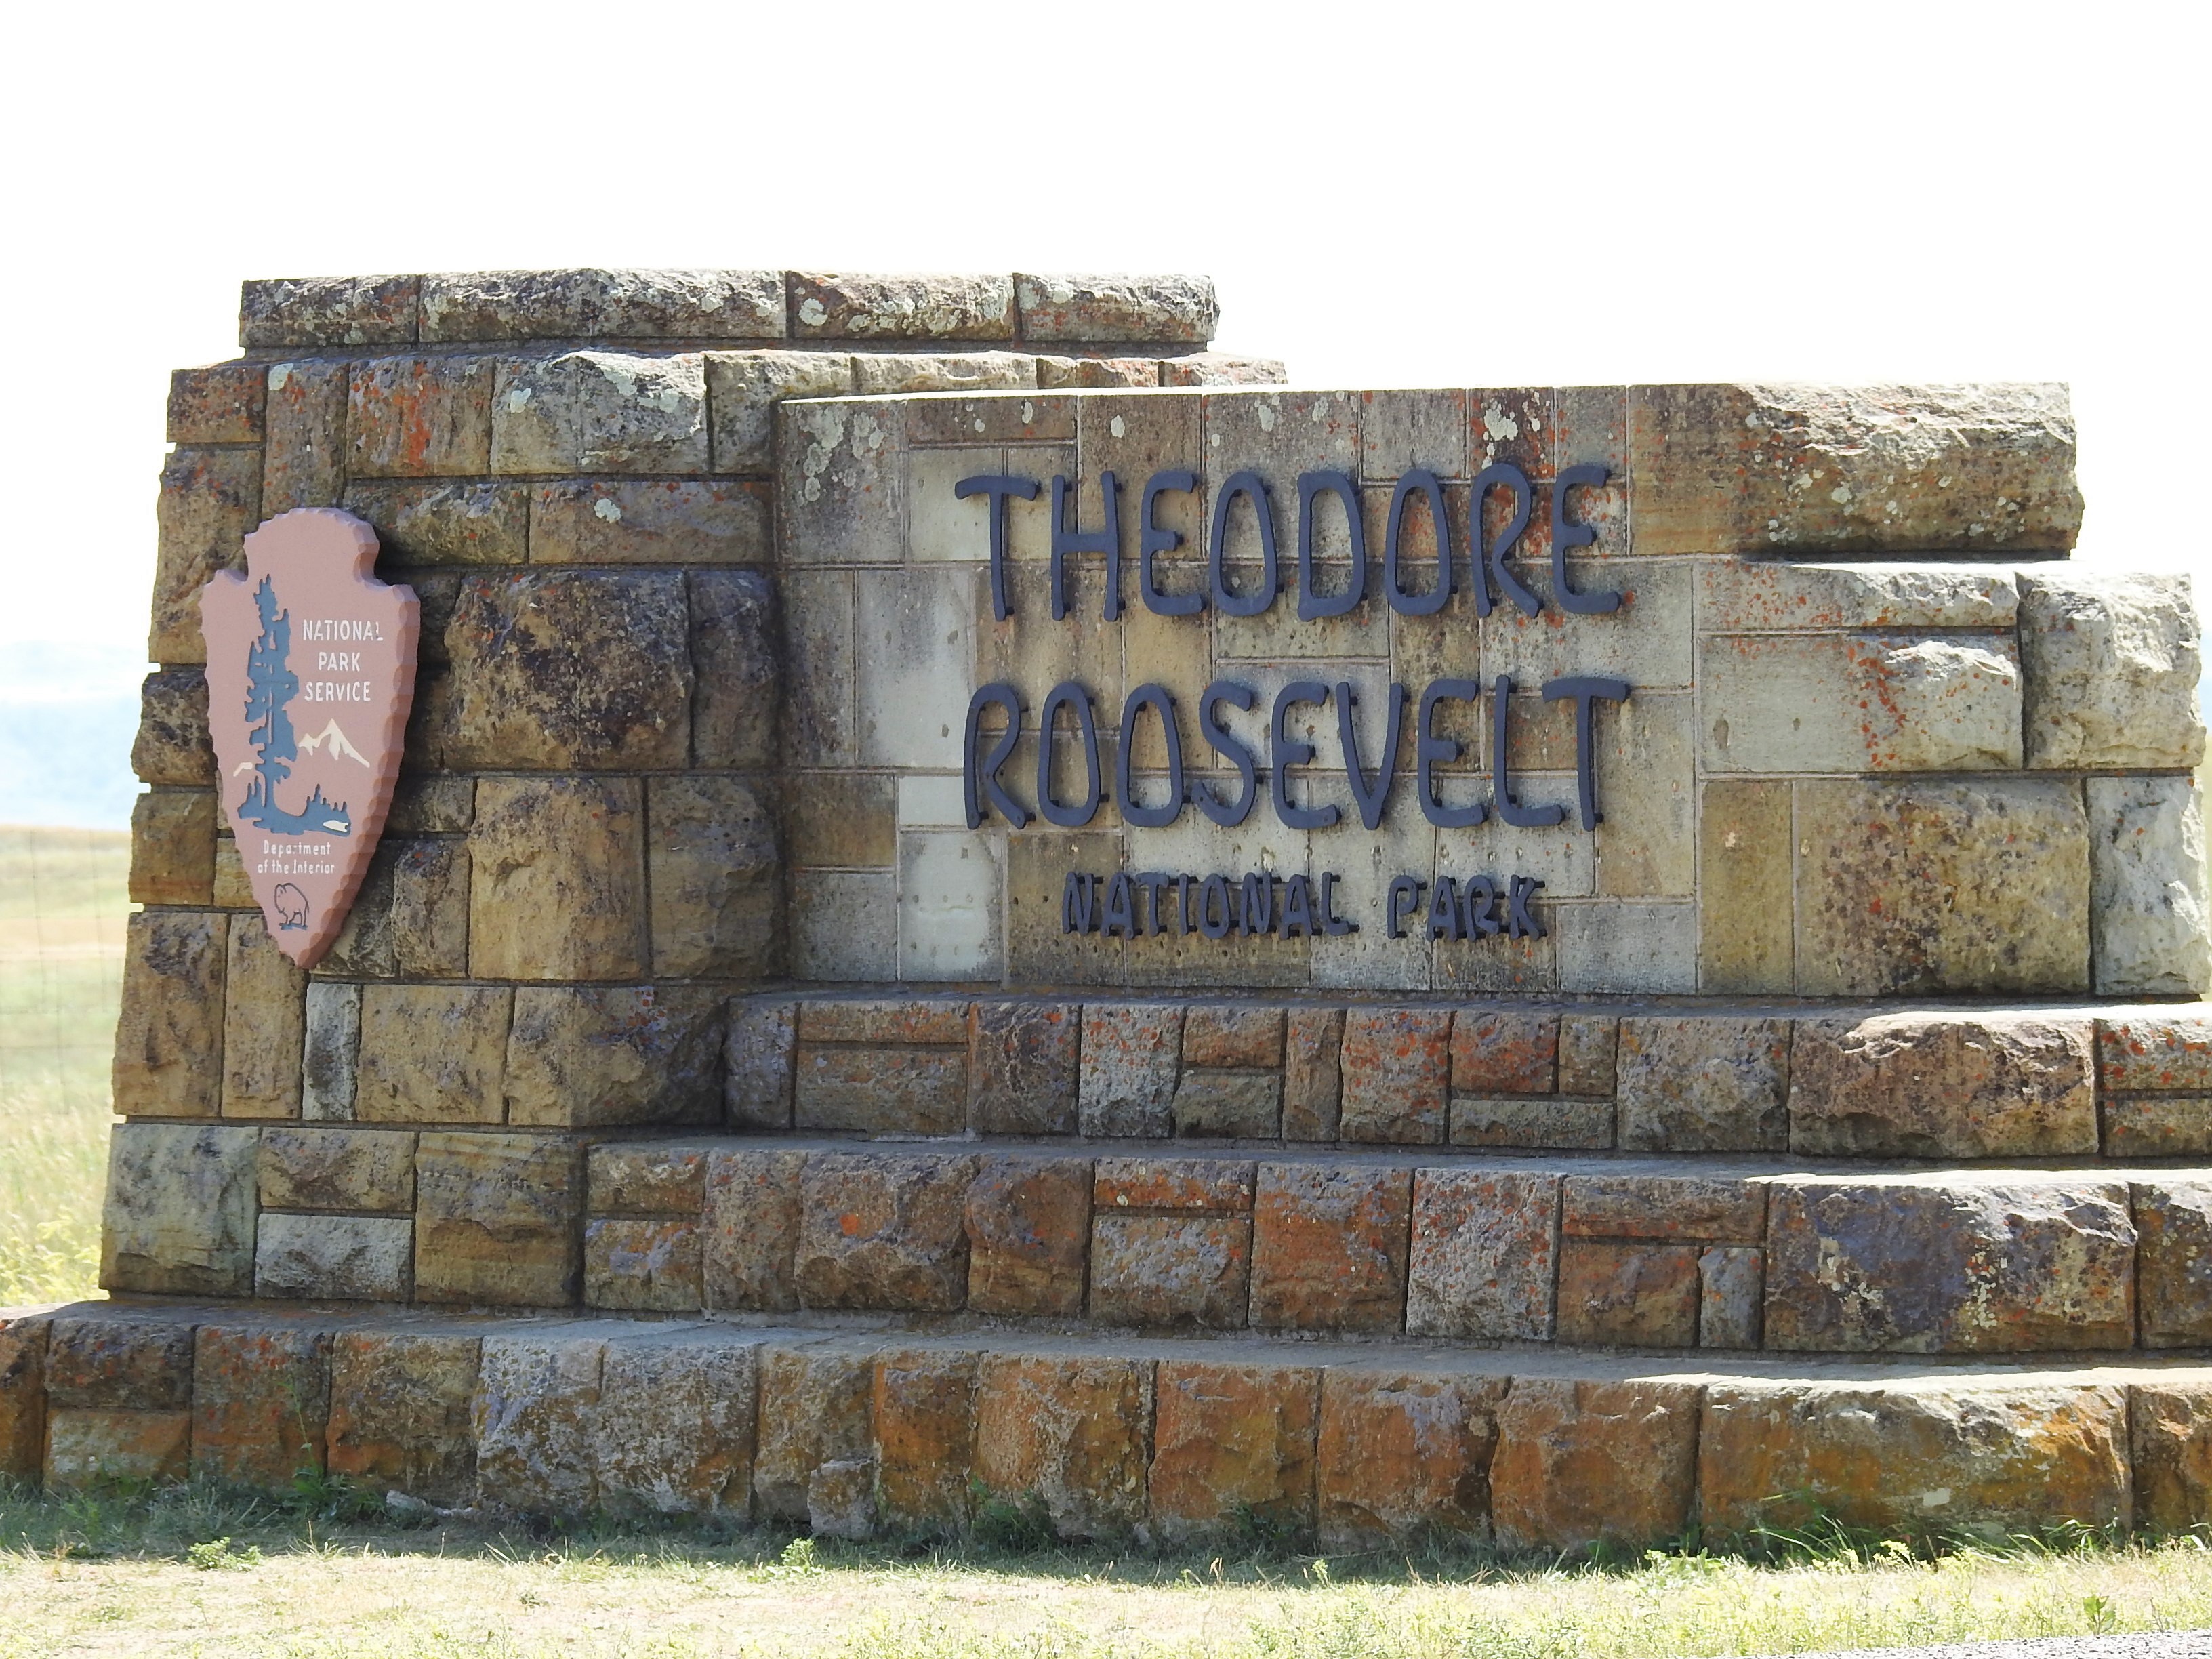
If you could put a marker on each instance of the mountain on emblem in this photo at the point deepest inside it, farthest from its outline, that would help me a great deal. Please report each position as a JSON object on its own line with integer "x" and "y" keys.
{"x": 307, "y": 810}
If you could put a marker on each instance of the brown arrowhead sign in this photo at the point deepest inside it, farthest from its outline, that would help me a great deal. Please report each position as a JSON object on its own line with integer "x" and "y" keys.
{"x": 310, "y": 674}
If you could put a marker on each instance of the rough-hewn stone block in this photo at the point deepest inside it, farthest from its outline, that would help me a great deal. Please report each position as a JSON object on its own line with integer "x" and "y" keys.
{"x": 1131, "y": 1063}
{"x": 814, "y": 1410}
{"x": 884, "y": 375}
{"x": 305, "y": 462}
{"x": 676, "y": 1423}
{"x": 757, "y": 1062}
{"x": 1503, "y": 1053}
{"x": 647, "y": 521}
{"x": 1029, "y": 1225}
{"x": 1102, "y": 309}
{"x": 1731, "y": 1290}
{"x": 2149, "y": 911}
{"x": 1236, "y": 1105}
{"x": 881, "y": 1090}
{"x": 647, "y": 1177}
{"x": 210, "y": 498}
{"x": 603, "y": 305}
{"x": 2170, "y": 1447}
{"x": 842, "y": 307}
{"x": 1642, "y": 1295}
{"x": 1221, "y": 368}
{"x": 2174, "y": 1261}
{"x": 558, "y": 876}
{"x": 97, "y": 1447}
{"x": 1662, "y": 1208}
{"x": 370, "y": 1169}
{"x": 743, "y": 389}
{"x": 1586, "y": 1046}
{"x": 112, "y": 1363}
{"x": 1578, "y": 1461}
{"x": 1779, "y": 595}
{"x": 840, "y": 483}
{"x": 444, "y": 522}
{"x": 599, "y": 411}
{"x": 264, "y": 1023}
{"x": 1949, "y": 1085}
{"x": 583, "y": 1055}
{"x": 173, "y": 847}
{"x": 1482, "y": 1254}
{"x": 172, "y": 746}
{"x": 1328, "y": 1245}
{"x": 2148, "y": 1049}
{"x": 2111, "y": 669}
{"x": 316, "y": 311}
{"x": 1703, "y": 1085}
{"x": 260, "y": 1400}
{"x": 431, "y": 1054}
{"x": 1170, "y": 1271}
{"x": 1071, "y": 1435}
{"x": 178, "y": 1218}
{"x": 350, "y": 1258}
{"x": 1230, "y": 1439}
{"x": 538, "y": 1417}
{"x": 716, "y": 881}
{"x": 925, "y": 1427}
{"x": 1946, "y": 1264}
{"x": 419, "y": 417}
{"x": 1397, "y": 1064}
{"x": 736, "y": 660}
{"x": 22, "y": 1397}
{"x": 2158, "y": 1126}
{"x": 1022, "y": 1068}
{"x": 1401, "y": 1453}
{"x": 1232, "y": 1035}
{"x": 883, "y": 1232}
{"x": 1313, "y": 1074}
{"x": 1531, "y": 1120}
{"x": 647, "y": 1263}
{"x": 400, "y": 1416}
{"x": 216, "y": 404}
{"x": 168, "y": 1045}
{"x": 495, "y": 1219}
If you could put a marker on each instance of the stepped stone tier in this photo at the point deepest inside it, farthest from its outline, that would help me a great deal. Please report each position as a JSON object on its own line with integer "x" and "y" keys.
{"x": 984, "y": 900}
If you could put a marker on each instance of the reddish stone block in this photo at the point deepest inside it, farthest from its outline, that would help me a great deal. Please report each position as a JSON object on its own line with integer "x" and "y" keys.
{"x": 1329, "y": 1247}
{"x": 1230, "y": 1439}
{"x": 1313, "y": 1073}
{"x": 400, "y": 1412}
{"x": 1578, "y": 1461}
{"x": 884, "y": 1021}
{"x": 1071, "y": 1432}
{"x": 1204, "y": 1184}
{"x": 640, "y": 1263}
{"x": 752, "y": 1211}
{"x": 120, "y": 1364}
{"x": 1399, "y": 1453}
{"x": 1029, "y": 1225}
{"x": 1663, "y": 1207}
{"x": 2170, "y": 1439}
{"x": 22, "y": 1396}
{"x": 1131, "y": 1059}
{"x": 1503, "y": 1053}
{"x": 1232, "y": 1035}
{"x": 91, "y": 1447}
{"x": 1396, "y": 1069}
{"x": 882, "y": 1090}
{"x": 2174, "y": 1261}
{"x": 1171, "y": 1270}
{"x": 925, "y": 1425}
{"x": 416, "y": 417}
{"x": 304, "y": 462}
{"x": 815, "y": 1405}
{"x": 1022, "y": 1063}
{"x": 1639, "y": 1295}
{"x": 2155, "y": 1051}
{"x": 260, "y": 1404}
{"x": 883, "y": 1232}
{"x": 219, "y": 404}
{"x": 1482, "y": 1255}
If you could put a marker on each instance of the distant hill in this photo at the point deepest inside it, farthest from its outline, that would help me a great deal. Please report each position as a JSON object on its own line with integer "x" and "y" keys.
{"x": 68, "y": 713}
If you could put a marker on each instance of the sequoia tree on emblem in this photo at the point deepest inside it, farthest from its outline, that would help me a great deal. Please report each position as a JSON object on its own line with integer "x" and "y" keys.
{"x": 311, "y": 674}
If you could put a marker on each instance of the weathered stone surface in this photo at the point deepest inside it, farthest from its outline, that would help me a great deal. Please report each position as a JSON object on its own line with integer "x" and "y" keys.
{"x": 1170, "y": 1271}
{"x": 715, "y": 879}
{"x": 2155, "y": 1048}
{"x": 647, "y": 1177}
{"x": 1578, "y": 1461}
{"x": 676, "y": 1423}
{"x": 260, "y": 1400}
{"x": 1662, "y": 1208}
{"x": 1747, "y": 848}
{"x": 1398, "y": 1453}
{"x": 414, "y": 417}
{"x": 1221, "y": 368}
{"x": 938, "y": 1020}
{"x": 814, "y": 1410}
{"x": 305, "y": 462}
{"x": 647, "y": 521}
{"x": 1731, "y": 1289}
{"x": 400, "y": 1417}
{"x": 924, "y": 1427}
{"x": 495, "y": 1219}
{"x": 1212, "y": 1102}
{"x": 1641, "y": 1295}
{"x": 2148, "y": 909}
{"x": 599, "y": 411}
{"x": 178, "y": 1217}
{"x": 840, "y": 483}
{"x": 168, "y": 1045}
{"x": 172, "y": 746}
{"x": 1703, "y": 1085}
{"x": 1482, "y": 1254}
{"x": 737, "y": 657}
{"x": 444, "y": 523}
{"x": 1022, "y": 1068}
{"x": 538, "y": 1416}
{"x": 1131, "y": 1063}
{"x": 883, "y": 374}
{"x": 1201, "y": 1185}
{"x": 1102, "y": 309}
{"x": 97, "y": 1447}
{"x": 1397, "y": 1064}
{"x": 757, "y": 1062}
{"x": 1029, "y": 1223}
{"x": 1229, "y": 1440}
{"x": 173, "y": 847}
{"x": 883, "y": 1232}
{"x": 1946, "y": 1265}
{"x": 1232, "y": 1035}
{"x": 216, "y": 404}
{"x": 557, "y": 884}
{"x": 313, "y": 311}
{"x": 2112, "y": 662}
{"x": 568, "y": 670}
{"x": 603, "y": 305}
{"x": 2170, "y": 1446}
{"x": 264, "y": 1020}
{"x": 1504, "y": 1054}
{"x": 1115, "y": 374}
{"x": 844, "y": 925}
{"x": 1948, "y": 1086}
{"x": 210, "y": 498}
{"x": 753, "y": 1208}
{"x": 881, "y": 1090}
{"x": 647, "y": 1263}
{"x": 1980, "y": 469}
{"x": 1313, "y": 1075}
{"x": 1329, "y": 1247}
{"x": 369, "y": 1169}
{"x": 841, "y": 1499}
{"x": 1531, "y": 1120}
{"x": 431, "y": 1054}
{"x": 842, "y": 820}
{"x": 583, "y": 1055}
{"x": 2019, "y": 1456}
{"x": 2174, "y": 1261}
{"x": 429, "y": 923}
{"x": 347, "y": 1257}
{"x": 120, "y": 1363}
{"x": 22, "y": 1397}
{"x": 1859, "y": 702}
{"x": 2158, "y": 1126}
{"x": 1770, "y": 595}
{"x": 743, "y": 389}
{"x": 1069, "y": 1434}
{"x": 1959, "y": 884}
{"x": 432, "y": 805}
{"x": 841, "y": 306}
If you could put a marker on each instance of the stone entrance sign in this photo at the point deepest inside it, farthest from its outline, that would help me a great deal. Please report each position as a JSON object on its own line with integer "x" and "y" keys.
{"x": 983, "y": 902}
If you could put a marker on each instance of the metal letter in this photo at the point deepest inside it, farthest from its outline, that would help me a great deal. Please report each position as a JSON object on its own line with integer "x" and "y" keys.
{"x": 1152, "y": 539}
{"x": 1370, "y": 802}
{"x": 989, "y": 696}
{"x": 1284, "y": 752}
{"x": 1519, "y": 924}
{"x": 1405, "y": 898}
{"x": 1066, "y": 539}
{"x": 1216, "y": 887}
{"x": 1078, "y": 902}
{"x": 1585, "y": 689}
{"x": 1067, "y": 692}
{"x": 1236, "y": 697}
{"x": 1513, "y": 478}
{"x": 1443, "y": 911}
{"x": 1330, "y": 921}
{"x": 1501, "y": 773}
{"x": 1228, "y": 602}
{"x": 998, "y": 488}
{"x": 1566, "y": 534}
{"x": 1431, "y": 750}
{"x": 1297, "y": 906}
{"x": 1481, "y": 917}
{"x": 1312, "y": 602}
{"x": 1422, "y": 480}
{"x": 1125, "y": 793}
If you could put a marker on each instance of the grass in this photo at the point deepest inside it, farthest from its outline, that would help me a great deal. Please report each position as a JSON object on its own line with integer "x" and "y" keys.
{"x": 63, "y": 904}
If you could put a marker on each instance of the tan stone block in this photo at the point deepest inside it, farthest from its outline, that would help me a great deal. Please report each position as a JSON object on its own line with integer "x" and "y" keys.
{"x": 1731, "y": 1288}
{"x": 1780, "y": 595}
{"x": 1531, "y": 1120}
{"x": 840, "y": 483}
{"x": 305, "y": 463}
{"x": 101, "y": 1447}
{"x": 433, "y": 1054}
{"x": 1221, "y": 368}
{"x": 1205, "y": 1185}
{"x": 1745, "y": 938}
{"x": 260, "y": 1401}
{"x": 1991, "y": 1459}
{"x": 2174, "y": 1261}
{"x": 2112, "y": 662}
{"x": 647, "y": 1177}
{"x": 676, "y": 1423}
{"x": 883, "y": 1232}
{"x": 881, "y": 1090}
{"x": 604, "y": 305}
{"x": 578, "y": 1056}
{"x": 649, "y": 521}
{"x": 345, "y": 1258}
{"x": 210, "y": 498}
{"x": 1644, "y": 946}
{"x": 753, "y": 1208}
{"x": 1228, "y": 1035}
{"x": 1703, "y": 1085}
{"x": 168, "y": 1045}
{"x": 1482, "y": 1244}
{"x": 1649, "y": 641}
{"x": 1401, "y": 1453}
{"x": 1662, "y": 1208}
{"x": 232, "y": 889}
{"x": 2155, "y": 1126}
{"x": 648, "y": 1264}
{"x": 1022, "y": 1068}
{"x": 744, "y": 388}
{"x": 2150, "y": 913}
{"x": 173, "y": 847}
{"x": 317, "y": 310}
{"x": 1580, "y": 1462}
{"x": 178, "y": 1217}
{"x": 925, "y": 1430}
{"x": 419, "y": 417}
{"x": 845, "y": 307}
{"x": 1646, "y": 785}
{"x": 114, "y": 1361}
{"x": 1029, "y": 1225}
{"x": 2170, "y": 1446}
{"x": 1587, "y": 1047}
{"x": 1328, "y": 1248}
{"x": 599, "y": 411}
{"x": 217, "y": 403}
{"x": 1235, "y": 1105}
{"x": 444, "y": 522}
{"x": 557, "y": 889}
{"x": 1068, "y": 1434}
{"x": 495, "y": 1219}
{"x": 399, "y": 1417}
{"x": 1229, "y": 1440}
{"x": 1312, "y": 1074}
{"x": 1952, "y": 1085}
{"x": 738, "y": 667}
{"x": 1859, "y": 702}
{"x": 172, "y": 746}
{"x": 1111, "y": 308}
{"x": 263, "y": 1024}
{"x": 884, "y": 375}
{"x": 1170, "y": 1271}
{"x": 843, "y": 820}
{"x": 537, "y": 1420}
{"x": 757, "y": 1062}
{"x": 22, "y": 1396}
{"x": 1037, "y": 951}
{"x": 814, "y": 1408}
{"x": 430, "y": 908}
{"x": 432, "y": 805}
{"x": 1640, "y": 1295}
{"x": 303, "y": 1168}
{"x": 844, "y": 925}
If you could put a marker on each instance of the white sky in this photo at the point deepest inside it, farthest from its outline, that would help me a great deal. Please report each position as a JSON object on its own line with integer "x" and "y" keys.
{"x": 1387, "y": 195}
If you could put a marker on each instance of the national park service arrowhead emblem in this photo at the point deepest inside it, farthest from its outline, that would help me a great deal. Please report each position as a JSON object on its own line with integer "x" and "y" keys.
{"x": 310, "y": 674}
